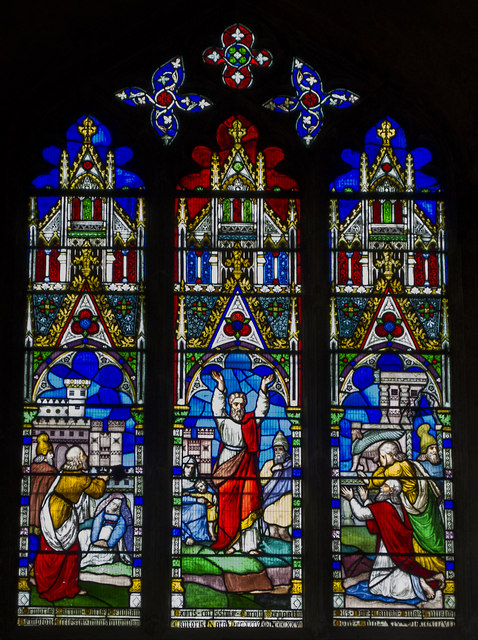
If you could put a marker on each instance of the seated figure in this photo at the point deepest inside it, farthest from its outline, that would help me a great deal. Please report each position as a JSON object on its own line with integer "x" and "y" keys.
{"x": 194, "y": 510}
{"x": 111, "y": 537}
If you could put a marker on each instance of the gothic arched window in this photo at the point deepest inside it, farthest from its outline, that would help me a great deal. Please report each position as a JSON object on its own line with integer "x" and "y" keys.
{"x": 215, "y": 306}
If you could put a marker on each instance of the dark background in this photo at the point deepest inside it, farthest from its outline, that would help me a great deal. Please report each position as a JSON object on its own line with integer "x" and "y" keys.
{"x": 414, "y": 61}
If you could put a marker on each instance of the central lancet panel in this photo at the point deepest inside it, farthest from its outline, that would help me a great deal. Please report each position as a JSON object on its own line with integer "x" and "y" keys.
{"x": 236, "y": 538}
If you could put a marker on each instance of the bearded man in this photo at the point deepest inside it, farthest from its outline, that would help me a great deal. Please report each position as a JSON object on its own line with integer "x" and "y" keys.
{"x": 420, "y": 497}
{"x": 429, "y": 457}
{"x": 57, "y": 565}
{"x": 395, "y": 573}
{"x": 276, "y": 478}
{"x": 235, "y": 474}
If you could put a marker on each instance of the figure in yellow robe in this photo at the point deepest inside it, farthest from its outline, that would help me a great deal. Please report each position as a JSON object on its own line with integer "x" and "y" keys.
{"x": 420, "y": 497}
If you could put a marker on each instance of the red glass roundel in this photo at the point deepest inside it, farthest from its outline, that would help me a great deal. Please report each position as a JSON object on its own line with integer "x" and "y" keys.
{"x": 164, "y": 98}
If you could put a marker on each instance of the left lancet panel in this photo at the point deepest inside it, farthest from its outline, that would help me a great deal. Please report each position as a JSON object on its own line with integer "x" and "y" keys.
{"x": 82, "y": 478}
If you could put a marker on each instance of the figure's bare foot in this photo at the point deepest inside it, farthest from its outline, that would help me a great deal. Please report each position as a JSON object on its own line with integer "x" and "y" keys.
{"x": 189, "y": 541}
{"x": 440, "y": 578}
{"x": 229, "y": 551}
{"x": 427, "y": 590}
{"x": 81, "y": 593}
{"x": 253, "y": 552}
{"x": 212, "y": 534}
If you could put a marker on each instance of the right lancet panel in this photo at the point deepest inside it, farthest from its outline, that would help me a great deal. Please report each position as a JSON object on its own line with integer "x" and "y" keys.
{"x": 391, "y": 430}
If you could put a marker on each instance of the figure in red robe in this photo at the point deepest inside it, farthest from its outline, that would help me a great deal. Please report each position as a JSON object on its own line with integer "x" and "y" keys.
{"x": 236, "y": 472}
{"x": 395, "y": 573}
{"x": 57, "y": 565}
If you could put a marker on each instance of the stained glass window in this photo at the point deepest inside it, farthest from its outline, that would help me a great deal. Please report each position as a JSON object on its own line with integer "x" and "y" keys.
{"x": 391, "y": 427}
{"x": 236, "y": 525}
{"x": 81, "y": 501}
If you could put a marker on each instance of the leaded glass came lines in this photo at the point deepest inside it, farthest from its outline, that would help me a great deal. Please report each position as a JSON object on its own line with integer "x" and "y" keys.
{"x": 391, "y": 438}
{"x": 236, "y": 525}
{"x": 82, "y": 486}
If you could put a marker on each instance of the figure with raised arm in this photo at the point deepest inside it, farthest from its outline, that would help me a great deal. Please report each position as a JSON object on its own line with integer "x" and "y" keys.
{"x": 236, "y": 471}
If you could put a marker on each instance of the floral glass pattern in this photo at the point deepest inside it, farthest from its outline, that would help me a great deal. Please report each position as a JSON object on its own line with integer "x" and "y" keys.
{"x": 309, "y": 100}
{"x": 237, "y": 56}
{"x": 165, "y": 99}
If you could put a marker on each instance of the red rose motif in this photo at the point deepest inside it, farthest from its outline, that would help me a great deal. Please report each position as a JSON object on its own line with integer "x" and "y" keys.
{"x": 310, "y": 99}
{"x": 388, "y": 326}
{"x": 85, "y": 323}
{"x": 164, "y": 98}
{"x": 237, "y": 325}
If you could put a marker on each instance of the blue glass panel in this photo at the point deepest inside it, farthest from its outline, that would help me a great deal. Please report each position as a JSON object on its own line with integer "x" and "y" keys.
{"x": 191, "y": 266}
{"x": 283, "y": 268}
{"x": 52, "y": 155}
{"x": 269, "y": 268}
{"x": 205, "y": 267}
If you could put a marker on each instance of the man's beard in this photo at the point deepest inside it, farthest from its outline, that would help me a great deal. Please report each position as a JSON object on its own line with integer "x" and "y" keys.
{"x": 238, "y": 414}
{"x": 383, "y": 497}
{"x": 434, "y": 458}
{"x": 280, "y": 458}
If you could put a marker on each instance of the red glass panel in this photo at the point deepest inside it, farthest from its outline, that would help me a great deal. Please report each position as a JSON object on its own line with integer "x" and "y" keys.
{"x": 236, "y": 210}
{"x": 97, "y": 209}
{"x": 433, "y": 270}
{"x": 356, "y": 268}
{"x": 398, "y": 212}
{"x": 131, "y": 265}
{"x": 342, "y": 271}
{"x": 118, "y": 266}
{"x": 40, "y": 265}
{"x": 76, "y": 209}
{"x": 419, "y": 270}
{"x": 54, "y": 271}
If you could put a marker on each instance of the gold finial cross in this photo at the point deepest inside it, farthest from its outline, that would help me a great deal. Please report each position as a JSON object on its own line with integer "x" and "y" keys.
{"x": 386, "y": 132}
{"x": 237, "y": 131}
{"x": 87, "y": 129}
{"x": 237, "y": 262}
{"x": 86, "y": 259}
{"x": 388, "y": 264}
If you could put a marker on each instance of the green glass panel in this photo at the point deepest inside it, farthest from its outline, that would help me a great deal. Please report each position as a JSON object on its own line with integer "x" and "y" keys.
{"x": 87, "y": 209}
{"x": 247, "y": 211}
{"x": 387, "y": 212}
{"x": 226, "y": 210}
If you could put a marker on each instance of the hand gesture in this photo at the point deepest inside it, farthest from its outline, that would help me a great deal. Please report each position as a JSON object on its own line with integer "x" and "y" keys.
{"x": 219, "y": 379}
{"x": 363, "y": 475}
{"x": 363, "y": 493}
{"x": 266, "y": 380}
{"x": 347, "y": 493}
